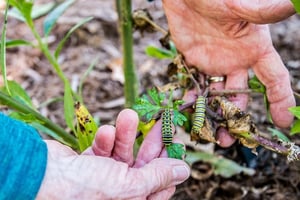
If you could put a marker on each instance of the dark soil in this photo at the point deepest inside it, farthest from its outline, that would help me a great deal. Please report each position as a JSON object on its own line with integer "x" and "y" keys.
{"x": 274, "y": 179}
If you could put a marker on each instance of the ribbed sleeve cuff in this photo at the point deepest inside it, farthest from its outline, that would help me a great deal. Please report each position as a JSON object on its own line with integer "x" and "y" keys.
{"x": 23, "y": 160}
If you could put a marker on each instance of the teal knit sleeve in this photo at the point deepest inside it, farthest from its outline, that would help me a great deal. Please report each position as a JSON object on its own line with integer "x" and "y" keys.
{"x": 23, "y": 159}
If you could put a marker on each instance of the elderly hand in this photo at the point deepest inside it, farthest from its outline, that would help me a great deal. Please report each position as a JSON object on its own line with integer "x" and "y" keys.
{"x": 225, "y": 38}
{"x": 108, "y": 169}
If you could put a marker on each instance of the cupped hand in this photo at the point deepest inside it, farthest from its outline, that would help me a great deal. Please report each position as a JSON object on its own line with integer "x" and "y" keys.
{"x": 108, "y": 169}
{"x": 226, "y": 38}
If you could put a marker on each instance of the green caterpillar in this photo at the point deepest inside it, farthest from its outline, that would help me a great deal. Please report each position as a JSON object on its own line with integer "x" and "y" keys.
{"x": 199, "y": 115}
{"x": 167, "y": 135}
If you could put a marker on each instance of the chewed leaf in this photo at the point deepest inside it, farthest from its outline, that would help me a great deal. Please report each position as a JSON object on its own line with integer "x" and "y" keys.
{"x": 176, "y": 150}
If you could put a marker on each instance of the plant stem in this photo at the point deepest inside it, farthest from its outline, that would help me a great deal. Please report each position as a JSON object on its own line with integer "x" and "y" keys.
{"x": 3, "y": 50}
{"x": 66, "y": 138}
{"x": 125, "y": 20}
{"x": 47, "y": 53}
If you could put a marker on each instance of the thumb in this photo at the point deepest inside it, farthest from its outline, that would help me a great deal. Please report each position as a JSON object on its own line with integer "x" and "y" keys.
{"x": 159, "y": 174}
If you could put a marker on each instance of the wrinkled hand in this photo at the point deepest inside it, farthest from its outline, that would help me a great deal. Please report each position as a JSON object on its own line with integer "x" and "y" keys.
{"x": 225, "y": 38}
{"x": 108, "y": 169}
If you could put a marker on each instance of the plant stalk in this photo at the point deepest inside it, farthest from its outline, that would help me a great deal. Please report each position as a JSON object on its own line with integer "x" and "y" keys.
{"x": 125, "y": 20}
{"x": 66, "y": 138}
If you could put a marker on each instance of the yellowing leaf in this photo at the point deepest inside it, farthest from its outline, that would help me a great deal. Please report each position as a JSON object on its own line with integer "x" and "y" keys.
{"x": 86, "y": 126}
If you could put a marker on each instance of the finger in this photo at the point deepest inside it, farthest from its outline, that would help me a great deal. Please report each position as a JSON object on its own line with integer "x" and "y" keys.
{"x": 217, "y": 86}
{"x": 224, "y": 139}
{"x": 262, "y": 12}
{"x": 126, "y": 127}
{"x": 104, "y": 141}
{"x": 151, "y": 146}
{"x": 272, "y": 73}
{"x": 164, "y": 194}
{"x": 158, "y": 175}
{"x": 238, "y": 80}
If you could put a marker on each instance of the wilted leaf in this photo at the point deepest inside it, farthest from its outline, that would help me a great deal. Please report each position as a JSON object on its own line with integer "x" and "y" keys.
{"x": 145, "y": 127}
{"x": 222, "y": 166}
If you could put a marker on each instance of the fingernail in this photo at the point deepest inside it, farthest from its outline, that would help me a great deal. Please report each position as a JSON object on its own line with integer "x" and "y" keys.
{"x": 180, "y": 173}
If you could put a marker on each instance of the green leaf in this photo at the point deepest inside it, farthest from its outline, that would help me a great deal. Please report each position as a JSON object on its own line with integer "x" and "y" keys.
{"x": 49, "y": 132}
{"x": 176, "y": 150}
{"x": 62, "y": 42}
{"x": 178, "y": 118}
{"x": 173, "y": 48}
{"x": 36, "y": 12}
{"x": 41, "y": 10}
{"x": 296, "y": 127}
{"x": 159, "y": 53}
{"x": 15, "y": 13}
{"x": 279, "y": 134}
{"x": 296, "y": 5}
{"x": 295, "y": 111}
{"x": 52, "y": 17}
{"x": 255, "y": 84}
{"x": 157, "y": 97}
{"x": 69, "y": 106}
{"x": 24, "y": 7}
{"x": 27, "y": 118}
{"x": 222, "y": 166}
{"x": 16, "y": 43}
{"x": 145, "y": 108}
{"x": 18, "y": 93}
